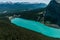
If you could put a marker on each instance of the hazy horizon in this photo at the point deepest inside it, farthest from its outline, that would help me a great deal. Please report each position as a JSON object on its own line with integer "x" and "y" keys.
{"x": 31, "y": 1}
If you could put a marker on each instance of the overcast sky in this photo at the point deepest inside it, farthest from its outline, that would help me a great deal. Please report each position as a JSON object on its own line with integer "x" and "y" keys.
{"x": 32, "y": 1}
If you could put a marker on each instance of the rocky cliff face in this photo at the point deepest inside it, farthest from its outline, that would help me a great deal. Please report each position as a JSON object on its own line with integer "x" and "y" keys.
{"x": 53, "y": 12}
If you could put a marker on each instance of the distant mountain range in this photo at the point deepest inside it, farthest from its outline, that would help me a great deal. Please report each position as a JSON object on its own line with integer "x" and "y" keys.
{"x": 10, "y": 7}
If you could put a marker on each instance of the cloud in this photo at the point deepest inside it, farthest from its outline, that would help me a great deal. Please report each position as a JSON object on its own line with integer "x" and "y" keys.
{"x": 32, "y": 1}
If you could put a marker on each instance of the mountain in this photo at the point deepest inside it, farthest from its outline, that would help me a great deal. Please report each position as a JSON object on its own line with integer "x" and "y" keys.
{"x": 53, "y": 12}
{"x": 10, "y": 7}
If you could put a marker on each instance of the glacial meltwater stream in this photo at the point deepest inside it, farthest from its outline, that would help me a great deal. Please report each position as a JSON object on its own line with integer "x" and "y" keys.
{"x": 37, "y": 26}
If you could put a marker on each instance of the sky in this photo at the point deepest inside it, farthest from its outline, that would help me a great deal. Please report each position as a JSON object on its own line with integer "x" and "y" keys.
{"x": 31, "y": 1}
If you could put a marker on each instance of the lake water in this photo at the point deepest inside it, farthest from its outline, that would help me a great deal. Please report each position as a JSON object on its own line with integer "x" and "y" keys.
{"x": 37, "y": 26}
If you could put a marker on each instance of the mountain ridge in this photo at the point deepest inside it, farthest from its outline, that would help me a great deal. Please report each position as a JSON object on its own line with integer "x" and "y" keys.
{"x": 17, "y": 7}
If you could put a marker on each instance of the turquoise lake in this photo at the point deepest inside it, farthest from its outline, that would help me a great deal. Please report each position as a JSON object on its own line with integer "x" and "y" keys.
{"x": 37, "y": 26}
